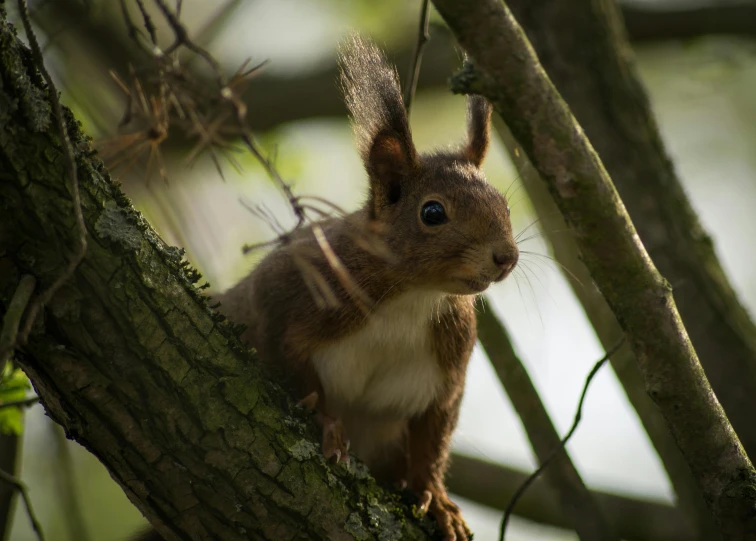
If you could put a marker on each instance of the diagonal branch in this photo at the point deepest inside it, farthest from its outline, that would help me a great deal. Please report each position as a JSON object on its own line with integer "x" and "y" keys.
{"x": 578, "y": 503}
{"x": 510, "y": 75}
{"x": 137, "y": 368}
{"x": 595, "y": 75}
{"x": 608, "y": 331}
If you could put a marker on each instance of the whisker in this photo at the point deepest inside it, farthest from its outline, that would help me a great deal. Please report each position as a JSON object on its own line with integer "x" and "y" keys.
{"x": 530, "y": 237}
{"x": 535, "y": 299}
{"x": 506, "y": 192}
{"x": 528, "y": 227}
{"x": 535, "y": 275}
{"x": 551, "y": 259}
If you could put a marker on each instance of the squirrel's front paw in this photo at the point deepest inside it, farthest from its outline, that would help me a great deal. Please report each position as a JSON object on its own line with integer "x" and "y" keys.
{"x": 447, "y": 515}
{"x": 335, "y": 441}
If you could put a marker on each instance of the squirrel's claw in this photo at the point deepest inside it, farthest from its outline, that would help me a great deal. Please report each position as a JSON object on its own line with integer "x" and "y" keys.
{"x": 335, "y": 441}
{"x": 447, "y": 515}
{"x": 424, "y": 503}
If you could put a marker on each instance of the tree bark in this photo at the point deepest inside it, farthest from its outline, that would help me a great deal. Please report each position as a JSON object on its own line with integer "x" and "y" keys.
{"x": 506, "y": 70}
{"x": 135, "y": 366}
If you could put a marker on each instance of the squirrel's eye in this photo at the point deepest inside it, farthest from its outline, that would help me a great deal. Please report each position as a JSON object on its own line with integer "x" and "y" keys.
{"x": 433, "y": 213}
{"x": 509, "y": 211}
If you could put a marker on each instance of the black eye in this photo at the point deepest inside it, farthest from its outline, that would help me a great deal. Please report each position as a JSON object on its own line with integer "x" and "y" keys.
{"x": 433, "y": 213}
{"x": 508, "y": 211}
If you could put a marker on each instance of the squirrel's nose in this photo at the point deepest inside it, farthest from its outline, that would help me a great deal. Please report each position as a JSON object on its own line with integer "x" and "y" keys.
{"x": 506, "y": 260}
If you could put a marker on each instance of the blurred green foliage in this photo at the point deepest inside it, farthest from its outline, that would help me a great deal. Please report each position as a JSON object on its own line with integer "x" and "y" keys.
{"x": 13, "y": 387}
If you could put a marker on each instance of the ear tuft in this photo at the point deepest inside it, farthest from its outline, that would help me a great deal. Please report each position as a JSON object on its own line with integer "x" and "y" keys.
{"x": 374, "y": 99}
{"x": 478, "y": 130}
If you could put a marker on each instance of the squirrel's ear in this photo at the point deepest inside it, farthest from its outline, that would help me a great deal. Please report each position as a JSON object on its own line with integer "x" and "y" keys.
{"x": 374, "y": 99}
{"x": 478, "y": 130}
{"x": 389, "y": 163}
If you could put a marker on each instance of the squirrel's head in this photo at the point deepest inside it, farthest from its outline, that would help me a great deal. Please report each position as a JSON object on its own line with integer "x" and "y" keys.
{"x": 448, "y": 228}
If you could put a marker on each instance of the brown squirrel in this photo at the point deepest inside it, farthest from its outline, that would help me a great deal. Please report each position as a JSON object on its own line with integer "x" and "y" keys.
{"x": 389, "y": 381}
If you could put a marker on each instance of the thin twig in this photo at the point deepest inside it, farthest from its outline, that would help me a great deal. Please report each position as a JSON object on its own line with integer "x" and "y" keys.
{"x": 422, "y": 38}
{"x": 182, "y": 38}
{"x": 148, "y": 24}
{"x": 23, "y": 403}
{"x": 21, "y": 487}
{"x": 578, "y": 415}
{"x": 14, "y": 315}
{"x": 68, "y": 152}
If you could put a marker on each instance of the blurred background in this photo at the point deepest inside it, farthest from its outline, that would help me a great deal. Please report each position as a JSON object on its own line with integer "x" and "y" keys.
{"x": 701, "y": 89}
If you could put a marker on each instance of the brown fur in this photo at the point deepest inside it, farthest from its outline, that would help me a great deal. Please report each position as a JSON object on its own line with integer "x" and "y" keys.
{"x": 413, "y": 345}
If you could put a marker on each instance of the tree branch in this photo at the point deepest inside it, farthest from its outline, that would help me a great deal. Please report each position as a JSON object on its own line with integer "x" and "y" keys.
{"x": 595, "y": 75}
{"x": 494, "y": 485}
{"x": 277, "y": 99}
{"x": 608, "y": 330}
{"x": 585, "y": 516}
{"x": 509, "y": 74}
{"x": 651, "y": 23}
{"x": 8, "y": 453}
{"x": 139, "y": 370}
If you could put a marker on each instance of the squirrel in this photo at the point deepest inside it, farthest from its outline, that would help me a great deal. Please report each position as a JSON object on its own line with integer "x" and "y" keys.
{"x": 388, "y": 381}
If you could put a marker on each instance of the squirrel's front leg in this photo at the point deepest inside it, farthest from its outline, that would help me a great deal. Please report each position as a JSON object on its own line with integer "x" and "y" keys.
{"x": 429, "y": 442}
{"x": 334, "y": 439}
{"x": 334, "y": 442}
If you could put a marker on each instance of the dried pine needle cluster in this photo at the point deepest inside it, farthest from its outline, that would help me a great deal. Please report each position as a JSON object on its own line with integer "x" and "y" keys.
{"x": 163, "y": 97}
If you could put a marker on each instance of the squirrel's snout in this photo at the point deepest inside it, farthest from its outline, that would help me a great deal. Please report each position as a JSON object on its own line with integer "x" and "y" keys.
{"x": 506, "y": 261}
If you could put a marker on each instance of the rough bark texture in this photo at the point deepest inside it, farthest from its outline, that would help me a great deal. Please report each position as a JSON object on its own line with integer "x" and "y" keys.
{"x": 507, "y": 71}
{"x": 583, "y": 48}
{"x": 136, "y": 367}
{"x": 585, "y": 516}
{"x": 608, "y": 330}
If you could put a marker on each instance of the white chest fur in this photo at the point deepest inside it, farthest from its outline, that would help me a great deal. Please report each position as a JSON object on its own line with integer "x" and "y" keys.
{"x": 387, "y": 366}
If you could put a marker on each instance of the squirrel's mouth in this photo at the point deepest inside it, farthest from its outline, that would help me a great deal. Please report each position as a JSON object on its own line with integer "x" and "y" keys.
{"x": 475, "y": 286}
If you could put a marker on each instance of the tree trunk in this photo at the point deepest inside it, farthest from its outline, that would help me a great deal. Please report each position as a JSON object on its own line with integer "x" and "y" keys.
{"x": 128, "y": 357}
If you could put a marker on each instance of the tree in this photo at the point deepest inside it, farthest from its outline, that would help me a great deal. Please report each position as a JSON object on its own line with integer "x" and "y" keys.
{"x": 133, "y": 363}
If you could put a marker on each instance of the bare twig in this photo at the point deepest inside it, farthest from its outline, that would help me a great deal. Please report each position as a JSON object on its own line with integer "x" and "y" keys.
{"x": 21, "y": 487}
{"x": 9, "y": 455}
{"x": 68, "y": 152}
{"x": 14, "y": 314}
{"x": 493, "y": 485}
{"x": 414, "y": 71}
{"x": 23, "y": 403}
{"x": 182, "y": 39}
{"x": 584, "y": 514}
{"x": 544, "y": 464}
{"x": 147, "y": 20}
